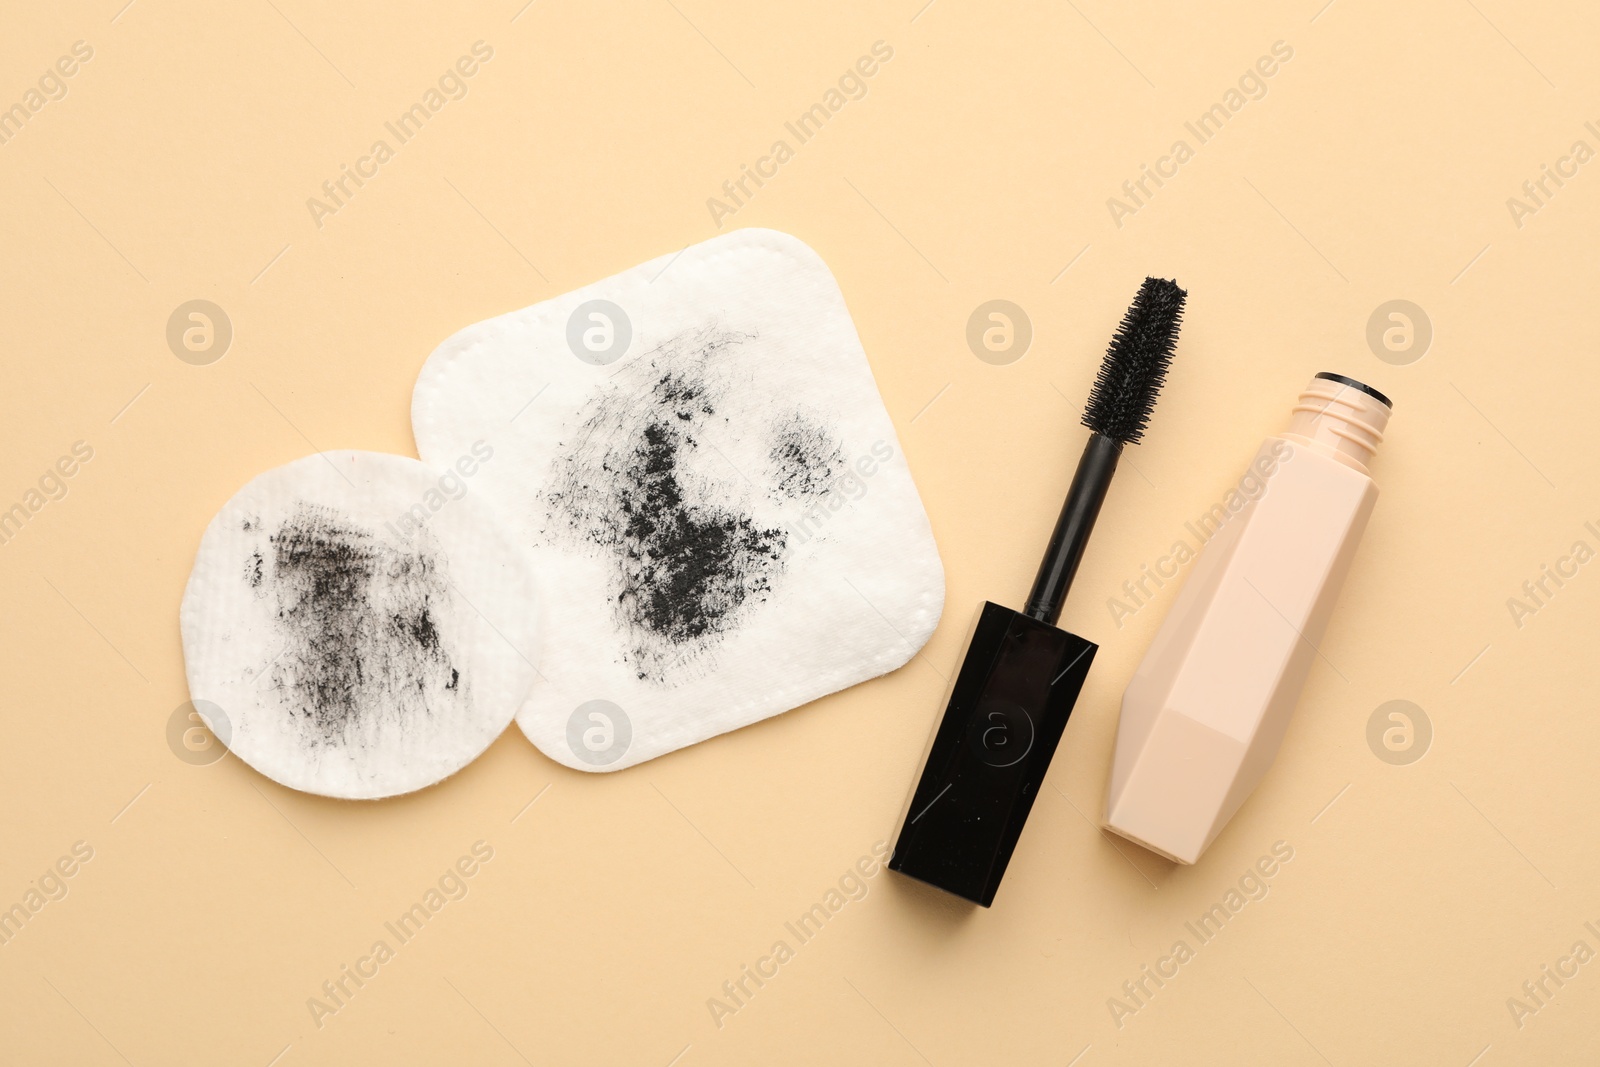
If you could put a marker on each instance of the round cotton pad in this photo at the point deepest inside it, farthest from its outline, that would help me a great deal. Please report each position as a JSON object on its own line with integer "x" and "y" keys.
{"x": 359, "y": 625}
{"x": 696, "y": 455}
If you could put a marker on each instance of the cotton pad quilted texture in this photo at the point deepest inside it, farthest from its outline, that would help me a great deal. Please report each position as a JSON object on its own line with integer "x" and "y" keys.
{"x": 719, "y": 512}
{"x": 357, "y": 625}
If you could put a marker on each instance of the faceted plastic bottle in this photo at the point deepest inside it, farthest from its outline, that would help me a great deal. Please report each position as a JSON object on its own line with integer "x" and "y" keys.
{"x": 1204, "y": 715}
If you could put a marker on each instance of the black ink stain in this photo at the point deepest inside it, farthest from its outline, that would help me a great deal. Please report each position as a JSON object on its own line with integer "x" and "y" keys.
{"x": 362, "y": 648}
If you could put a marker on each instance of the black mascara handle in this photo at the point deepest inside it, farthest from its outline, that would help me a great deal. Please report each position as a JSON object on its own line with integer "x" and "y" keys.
{"x": 1082, "y": 507}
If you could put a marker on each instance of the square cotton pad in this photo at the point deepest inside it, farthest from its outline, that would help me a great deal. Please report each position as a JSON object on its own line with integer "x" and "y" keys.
{"x": 719, "y": 513}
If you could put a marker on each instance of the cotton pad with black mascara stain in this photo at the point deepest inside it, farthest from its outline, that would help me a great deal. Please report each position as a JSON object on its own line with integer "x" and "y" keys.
{"x": 358, "y": 625}
{"x": 697, "y": 458}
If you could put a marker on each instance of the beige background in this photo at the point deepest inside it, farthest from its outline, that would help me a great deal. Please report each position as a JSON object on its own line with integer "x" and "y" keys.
{"x": 978, "y": 165}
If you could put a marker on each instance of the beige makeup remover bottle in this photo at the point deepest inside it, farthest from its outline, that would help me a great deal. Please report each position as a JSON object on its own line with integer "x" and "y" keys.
{"x": 1204, "y": 715}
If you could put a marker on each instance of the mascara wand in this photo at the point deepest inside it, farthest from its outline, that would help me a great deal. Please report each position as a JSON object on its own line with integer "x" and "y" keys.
{"x": 1118, "y": 411}
{"x": 1022, "y": 674}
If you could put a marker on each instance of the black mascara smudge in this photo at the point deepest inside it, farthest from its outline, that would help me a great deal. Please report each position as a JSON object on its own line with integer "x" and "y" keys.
{"x": 362, "y": 650}
{"x": 691, "y": 559}
{"x": 805, "y": 457}
{"x": 687, "y": 567}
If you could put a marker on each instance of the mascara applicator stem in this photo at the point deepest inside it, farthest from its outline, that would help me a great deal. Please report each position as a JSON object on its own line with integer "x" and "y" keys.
{"x": 1009, "y": 703}
{"x": 1073, "y": 527}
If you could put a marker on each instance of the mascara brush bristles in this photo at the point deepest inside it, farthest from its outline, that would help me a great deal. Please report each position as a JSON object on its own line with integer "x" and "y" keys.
{"x": 1136, "y": 363}
{"x": 1119, "y": 408}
